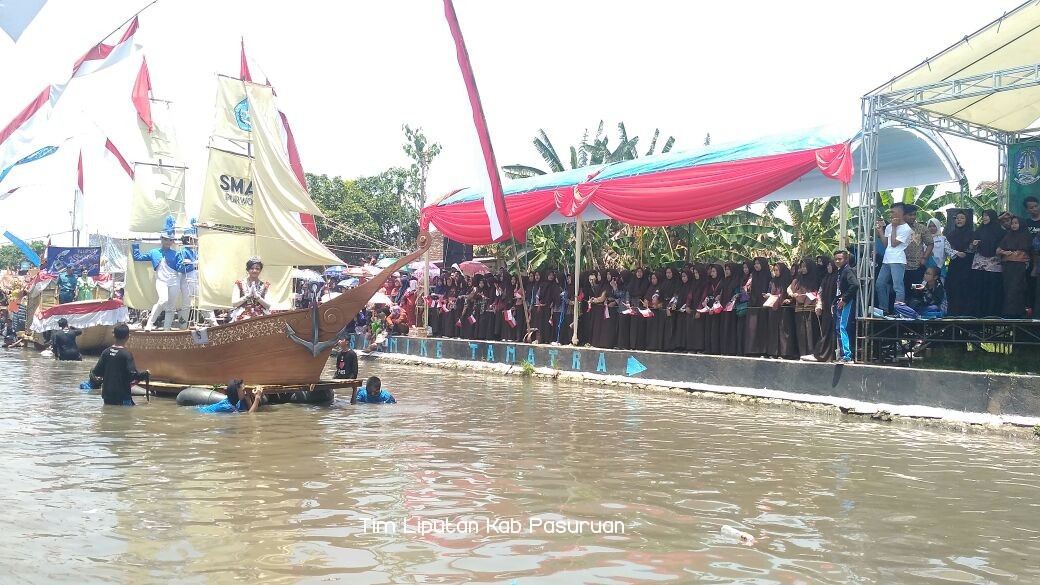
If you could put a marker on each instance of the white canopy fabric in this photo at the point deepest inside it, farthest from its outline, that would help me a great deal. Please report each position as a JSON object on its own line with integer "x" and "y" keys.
{"x": 1010, "y": 41}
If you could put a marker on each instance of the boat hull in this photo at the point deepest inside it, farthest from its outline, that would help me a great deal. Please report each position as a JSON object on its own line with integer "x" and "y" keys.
{"x": 260, "y": 350}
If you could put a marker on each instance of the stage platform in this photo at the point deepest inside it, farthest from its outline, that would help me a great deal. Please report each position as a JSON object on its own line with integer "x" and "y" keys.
{"x": 887, "y": 340}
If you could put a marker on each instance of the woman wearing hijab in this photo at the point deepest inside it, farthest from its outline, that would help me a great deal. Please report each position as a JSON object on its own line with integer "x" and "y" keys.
{"x": 656, "y": 303}
{"x": 695, "y": 320}
{"x": 824, "y": 350}
{"x": 583, "y": 308}
{"x": 564, "y": 310}
{"x": 709, "y": 306}
{"x": 732, "y": 282}
{"x": 624, "y": 322}
{"x": 803, "y": 289}
{"x": 487, "y": 317}
{"x": 637, "y": 324}
{"x": 780, "y": 320}
{"x": 959, "y": 273}
{"x": 986, "y": 268}
{"x": 681, "y": 312}
{"x": 1014, "y": 252}
{"x": 670, "y": 301}
{"x": 756, "y": 324}
{"x": 604, "y": 333}
{"x": 550, "y": 297}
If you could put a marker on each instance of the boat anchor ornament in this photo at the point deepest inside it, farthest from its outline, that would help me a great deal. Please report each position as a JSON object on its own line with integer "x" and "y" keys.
{"x": 314, "y": 346}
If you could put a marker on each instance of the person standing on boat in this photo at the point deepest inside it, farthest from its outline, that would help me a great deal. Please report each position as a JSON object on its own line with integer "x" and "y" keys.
{"x": 84, "y": 287}
{"x": 63, "y": 342}
{"x": 67, "y": 286}
{"x": 248, "y": 297}
{"x": 187, "y": 267}
{"x": 117, "y": 370}
{"x": 167, "y": 279}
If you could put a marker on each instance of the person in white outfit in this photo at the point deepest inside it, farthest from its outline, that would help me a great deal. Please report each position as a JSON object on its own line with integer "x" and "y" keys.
{"x": 167, "y": 279}
{"x": 187, "y": 266}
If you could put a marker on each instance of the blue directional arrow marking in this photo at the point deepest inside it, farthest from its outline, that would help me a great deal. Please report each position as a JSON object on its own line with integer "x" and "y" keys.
{"x": 634, "y": 366}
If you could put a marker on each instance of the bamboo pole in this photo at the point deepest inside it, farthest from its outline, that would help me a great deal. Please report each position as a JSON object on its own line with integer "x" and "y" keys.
{"x": 843, "y": 217}
{"x": 577, "y": 280}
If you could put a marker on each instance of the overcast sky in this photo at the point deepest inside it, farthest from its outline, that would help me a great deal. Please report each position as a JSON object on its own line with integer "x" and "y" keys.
{"x": 349, "y": 74}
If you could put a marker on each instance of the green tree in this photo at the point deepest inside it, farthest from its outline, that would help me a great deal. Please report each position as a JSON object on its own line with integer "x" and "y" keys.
{"x": 422, "y": 152}
{"x": 12, "y": 257}
{"x": 368, "y": 215}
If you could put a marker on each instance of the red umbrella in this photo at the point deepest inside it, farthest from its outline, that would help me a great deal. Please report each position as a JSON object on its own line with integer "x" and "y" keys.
{"x": 472, "y": 267}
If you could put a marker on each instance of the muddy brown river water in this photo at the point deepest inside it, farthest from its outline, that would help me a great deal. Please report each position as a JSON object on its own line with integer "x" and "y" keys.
{"x": 476, "y": 478}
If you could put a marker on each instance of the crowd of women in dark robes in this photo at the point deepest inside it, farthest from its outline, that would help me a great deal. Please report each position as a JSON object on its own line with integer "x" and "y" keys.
{"x": 753, "y": 308}
{"x": 991, "y": 270}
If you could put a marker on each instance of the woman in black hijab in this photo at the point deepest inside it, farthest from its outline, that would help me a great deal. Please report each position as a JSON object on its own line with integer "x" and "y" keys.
{"x": 604, "y": 307}
{"x": 756, "y": 326}
{"x": 729, "y": 338}
{"x": 695, "y": 320}
{"x": 655, "y": 301}
{"x": 582, "y": 309}
{"x": 669, "y": 299}
{"x": 780, "y": 320}
{"x": 712, "y": 319}
{"x": 986, "y": 268}
{"x": 824, "y": 350}
{"x": 624, "y": 320}
{"x": 681, "y": 311}
{"x": 637, "y": 324}
{"x": 959, "y": 275}
{"x": 803, "y": 289}
{"x": 550, "y": 297}
{"x": 1014, "y": 251}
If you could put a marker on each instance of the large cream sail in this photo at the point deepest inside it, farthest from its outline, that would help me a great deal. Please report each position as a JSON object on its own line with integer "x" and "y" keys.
{"x": 161, "y": 142}
{"x": 158, "y": 193}
{"x": 228, "y": 193}
{"x": 280, "y": 237}
{"x": 234, "y": 119}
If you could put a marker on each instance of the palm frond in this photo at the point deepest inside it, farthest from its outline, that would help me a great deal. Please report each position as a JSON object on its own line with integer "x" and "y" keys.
{"x": 668, "y": 144}
{"x": 653, "y": 142}
{"x": 521, "y": 171}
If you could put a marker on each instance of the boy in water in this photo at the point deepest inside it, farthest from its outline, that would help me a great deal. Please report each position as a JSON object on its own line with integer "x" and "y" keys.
{"x": 236, "y": 401}
{"x": 64, "y": 342}
{"x": 346, "y": 362}
{"x": 117, "y": 370}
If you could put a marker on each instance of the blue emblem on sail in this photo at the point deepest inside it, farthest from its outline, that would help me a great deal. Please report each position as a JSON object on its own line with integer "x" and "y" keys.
{"x": 242, "y": 116}
{"x": 1027, "y": 167}
{"x": 634, "y": 366}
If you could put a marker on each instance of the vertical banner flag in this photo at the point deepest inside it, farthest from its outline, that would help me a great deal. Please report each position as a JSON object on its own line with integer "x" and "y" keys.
{"x": 1023, "y": 175}
{"x": 494, "y": 200}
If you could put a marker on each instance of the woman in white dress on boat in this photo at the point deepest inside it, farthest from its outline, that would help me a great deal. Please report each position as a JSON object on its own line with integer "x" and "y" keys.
{"x": 248, "y": 296}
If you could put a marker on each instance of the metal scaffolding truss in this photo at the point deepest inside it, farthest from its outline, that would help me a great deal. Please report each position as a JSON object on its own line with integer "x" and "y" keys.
{"x": 909, "y": 107}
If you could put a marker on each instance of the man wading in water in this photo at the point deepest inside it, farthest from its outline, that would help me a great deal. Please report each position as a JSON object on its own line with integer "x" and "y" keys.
{"x": 118, "y": 371}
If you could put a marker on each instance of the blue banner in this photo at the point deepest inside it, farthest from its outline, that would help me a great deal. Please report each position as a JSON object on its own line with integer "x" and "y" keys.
{"x": 43, "y": 152}
{"x": 58, "y": 259}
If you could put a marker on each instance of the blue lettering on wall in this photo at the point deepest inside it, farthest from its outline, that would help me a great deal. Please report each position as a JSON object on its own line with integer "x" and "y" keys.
{"x": 408, "y": 346}
{"x": 473, "y": 351}
{"x": 530, "y": 355}
{"x": 510, "y": 354}
{"x": 601, "y": 364}
{"x": 391, "y": 345}
{"x": 490, "y": 352}
{"x": 422, "y": 348}
{"x": 552, "y": 357}
{"x": 576, "y": 360}
{"x": 439, "y": 351}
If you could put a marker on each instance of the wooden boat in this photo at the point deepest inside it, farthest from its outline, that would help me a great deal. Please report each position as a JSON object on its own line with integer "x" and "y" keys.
{"x": 93, "y": 318}
{"x": 260, "y": 350}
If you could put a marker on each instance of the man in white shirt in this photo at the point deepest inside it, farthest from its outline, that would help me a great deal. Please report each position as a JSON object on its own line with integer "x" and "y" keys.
{"x": 894, "y": 238}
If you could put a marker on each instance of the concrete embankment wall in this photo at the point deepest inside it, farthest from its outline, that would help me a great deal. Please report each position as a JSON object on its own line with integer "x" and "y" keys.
{"x": 985, "y": 393}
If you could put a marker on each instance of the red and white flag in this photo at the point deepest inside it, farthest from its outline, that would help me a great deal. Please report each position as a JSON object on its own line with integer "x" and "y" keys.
{"x": 510, "y": 319}
{"x": 472, "y": 318}
{"x": 494, "y": 199}
{"x": 102, "y": 55}
{"x": 110, "y": 147}
{"x": 646, "y": 313}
